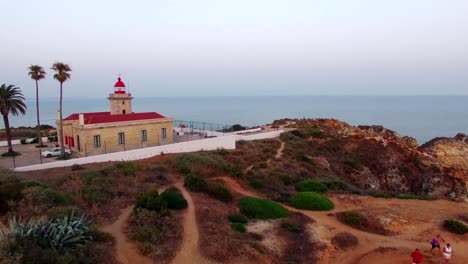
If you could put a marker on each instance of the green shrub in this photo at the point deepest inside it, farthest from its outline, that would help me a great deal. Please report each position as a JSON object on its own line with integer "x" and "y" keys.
{"x": 23, "y": 141}
{"x": 97, "y": 194}
{"x": 352, "y": 164}
{"x": 151, "y": 201}
{"x": 311, "y": 186}
{"x": 239, "y": 227}
{"x": 235, "y": 170}
{"x": 298, "y": 133}
{"x": 148, "y": 234}
{"x": 290, "y": 227}
{"x": 352, "y": 218}
{"x": 316, "y": 133}
{"x": 311, "y": 201}
{"x": 256, "y": 183}
{"x": 195, "y": 183}
{"x": 263, "y": 165}
{"x": 261, "y": 208}
{"x": 455, "y": 227}
{"x": 127, "y": 168}
{"x": 337, "y": 185}
{"x": 301, "y": 156}
{"x": 57, "y": 197}
{"x": 174, "y": 199}
{"x": 237, "y": 218}
{"x": 34, "y": 141}
{"x": 286, "y": 180}
{"x": 219, "y": 192}
{"x": 377, "y": 194}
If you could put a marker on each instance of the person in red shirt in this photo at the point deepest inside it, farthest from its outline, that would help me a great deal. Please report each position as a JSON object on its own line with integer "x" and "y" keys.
{"x": 417, "y": 257}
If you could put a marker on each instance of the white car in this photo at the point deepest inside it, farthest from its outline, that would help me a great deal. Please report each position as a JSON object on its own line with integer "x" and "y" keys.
{"x": 54, "y": 152}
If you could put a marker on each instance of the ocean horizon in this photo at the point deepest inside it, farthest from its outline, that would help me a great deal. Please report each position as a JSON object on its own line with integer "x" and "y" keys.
{"x": 421, "y": 117}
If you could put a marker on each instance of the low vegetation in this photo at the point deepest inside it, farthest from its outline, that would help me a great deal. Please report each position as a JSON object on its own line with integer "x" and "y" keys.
{"x": 257, "y": 208}
{"x": 291, "y": 227}
{"x": 217, "y": 191}
{"x": 69, "y": 239}
{"x": 363, "y": 222}
{"x": 239, "y": 227}
{"x": 311, "y": 201}
{"x": 237, "y": 218}
{"x": 195, "y": 183}
{"x": 344, "y": 240}
{"x": 174, "y": 199}
{"x": 311, "y": 186}
{"x": 455, "y": 227}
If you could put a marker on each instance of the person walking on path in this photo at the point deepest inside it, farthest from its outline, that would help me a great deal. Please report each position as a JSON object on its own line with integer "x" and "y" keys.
{"x": 417, "y": 257}
{"x": 447, "y": 253}
{"x": 436, "y": 243}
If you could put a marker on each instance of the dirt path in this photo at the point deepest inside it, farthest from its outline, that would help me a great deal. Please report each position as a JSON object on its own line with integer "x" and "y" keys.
{"x": 328, "y": 226}
{"x": 279, "y": 152}
{"x": 127, "y": 252}
{"x": 189, "y": 251}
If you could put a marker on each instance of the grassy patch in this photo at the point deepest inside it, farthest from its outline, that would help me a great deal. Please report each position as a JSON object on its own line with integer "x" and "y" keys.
{"x": 290, "y": 227}
{"x": 237, "y": 218}
{"x": 261, "y": 208}
{"x": 219, "y": 192}
{"x": 239, "y": 227}
{"x": 311, "y": 186}
{"x": 455, "y": 227}
{"x": 127, "y": 168}
{"x": 195, "y": 183}
{"x": 151, "y": 201}
{"x": 311, "y": 201}
{"x": 97, "y": 194}
{"x": 256, "y": 183}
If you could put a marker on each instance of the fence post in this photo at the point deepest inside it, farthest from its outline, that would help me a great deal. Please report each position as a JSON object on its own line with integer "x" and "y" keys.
{"x": 14, "y": 162}
{"x": 40, "y": 156}
{"x": 105, "y": 147}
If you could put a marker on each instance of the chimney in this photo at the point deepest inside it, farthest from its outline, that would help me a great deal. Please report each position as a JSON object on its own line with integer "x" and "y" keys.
{"x": 81, "y": 118}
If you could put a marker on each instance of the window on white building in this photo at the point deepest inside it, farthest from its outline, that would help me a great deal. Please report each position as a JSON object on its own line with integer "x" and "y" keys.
{"x": 97, "y": 141}
{"x": 121, "y": 137}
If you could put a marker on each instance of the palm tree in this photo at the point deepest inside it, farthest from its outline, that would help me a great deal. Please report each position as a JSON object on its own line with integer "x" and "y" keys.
{"x": 37, "y": 73}
{"x": 62, "y": 74}
{"x": 11, "y": 101}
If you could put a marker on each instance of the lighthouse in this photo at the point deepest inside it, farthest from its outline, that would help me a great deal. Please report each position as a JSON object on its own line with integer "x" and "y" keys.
{"x": 120, "y": 101}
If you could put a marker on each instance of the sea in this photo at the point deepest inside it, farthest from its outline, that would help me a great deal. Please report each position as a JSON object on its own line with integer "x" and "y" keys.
{"x": 421, "y": 117}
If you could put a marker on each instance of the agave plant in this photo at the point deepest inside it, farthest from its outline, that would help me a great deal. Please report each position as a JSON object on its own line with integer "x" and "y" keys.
{"x": 63, "y": 234}
{"x": 66, "y": 233}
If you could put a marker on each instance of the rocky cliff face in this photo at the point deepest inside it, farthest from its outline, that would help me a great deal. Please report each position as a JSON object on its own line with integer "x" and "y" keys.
{"x": 374, "y": 158}
{"x": 450, "y": 152}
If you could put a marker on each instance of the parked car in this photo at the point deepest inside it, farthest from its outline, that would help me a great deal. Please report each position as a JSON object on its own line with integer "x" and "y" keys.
{"x": 54, "y": 152}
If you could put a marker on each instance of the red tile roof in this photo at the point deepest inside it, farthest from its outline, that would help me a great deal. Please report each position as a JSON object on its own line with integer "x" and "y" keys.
{"x": 106, "y": 117}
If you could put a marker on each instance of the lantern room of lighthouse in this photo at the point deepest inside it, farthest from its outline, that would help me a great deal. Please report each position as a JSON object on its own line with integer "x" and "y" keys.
{"x": 120, "y": 101}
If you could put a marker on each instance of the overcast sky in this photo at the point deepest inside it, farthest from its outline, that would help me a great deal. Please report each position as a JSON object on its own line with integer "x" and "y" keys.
{"x": 239, "y": 47}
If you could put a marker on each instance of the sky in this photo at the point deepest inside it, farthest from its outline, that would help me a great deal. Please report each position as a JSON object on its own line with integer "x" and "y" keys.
{"x": 238, "y": 48}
